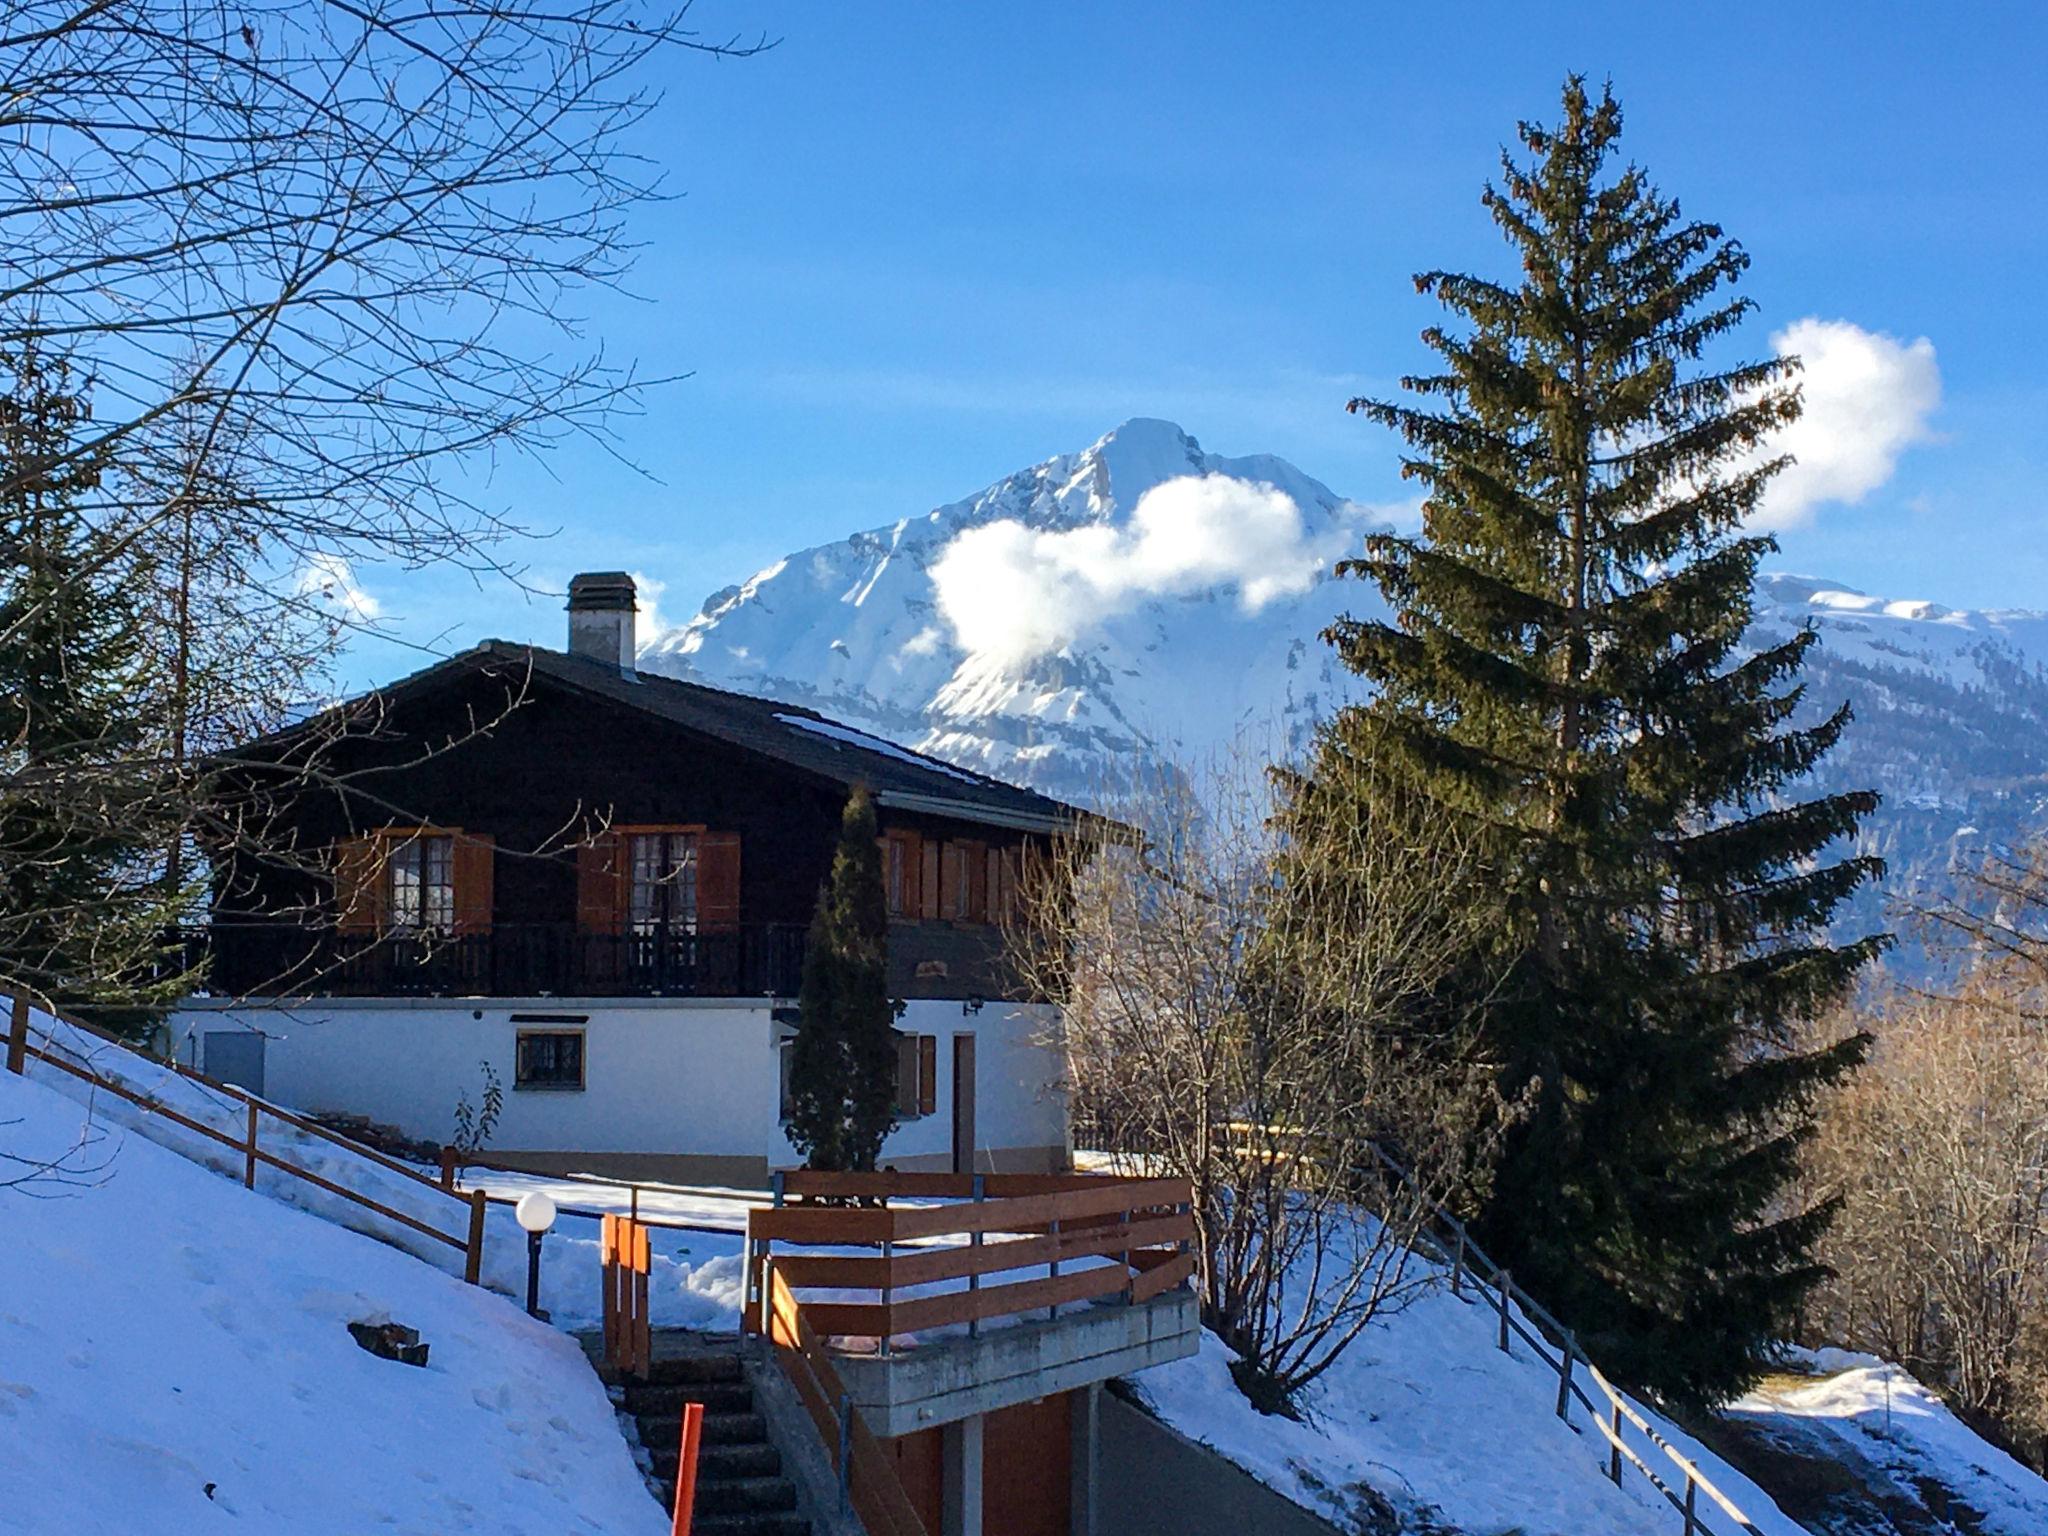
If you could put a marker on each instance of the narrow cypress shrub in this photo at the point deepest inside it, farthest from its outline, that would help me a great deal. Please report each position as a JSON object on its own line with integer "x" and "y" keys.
{"x": 843, "y": 1071}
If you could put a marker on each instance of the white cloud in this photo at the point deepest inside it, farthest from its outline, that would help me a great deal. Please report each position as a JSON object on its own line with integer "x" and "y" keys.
{"x": 648, "y": 623}
{"x": 1010, "y": 593}
{"x": 332, "y": 580}
{"x": 1868, "y": 397}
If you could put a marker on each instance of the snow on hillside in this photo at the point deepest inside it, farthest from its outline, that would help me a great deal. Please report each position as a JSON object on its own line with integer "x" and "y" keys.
{"x": 1897, "y": 1461}
{"x": 174, "y": 1358}
{"x": 1424, "y": 1418}
{"x": 1425, "y": 1421}
{"x": 696, "y": 1279}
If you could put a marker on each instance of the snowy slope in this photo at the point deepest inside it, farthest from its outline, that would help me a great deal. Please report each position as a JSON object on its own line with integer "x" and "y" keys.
{"x": 1424, "y": 1418}
{"x": 1951, "y": 705}
{"x": 174, "y": 1358}
{"x": 1426, "y": 1422}
{"x": 696, "y": 1281}
{"x": 1896, "y": 1461}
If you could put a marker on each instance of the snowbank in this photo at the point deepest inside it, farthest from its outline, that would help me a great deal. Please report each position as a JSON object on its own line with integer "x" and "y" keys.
{"x": 1427, "y": 1413}
{"x": 1859, "y": 1411}
{"x": 696, "y": 1281}
{"x": 174, "y": 1358}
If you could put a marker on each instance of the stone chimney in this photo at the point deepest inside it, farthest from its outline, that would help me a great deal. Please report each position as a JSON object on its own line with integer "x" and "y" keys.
{"x": 601, "y": 609}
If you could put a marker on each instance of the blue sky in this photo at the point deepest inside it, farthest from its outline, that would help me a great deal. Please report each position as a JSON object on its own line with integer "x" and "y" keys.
{"x": 916, "y": 247}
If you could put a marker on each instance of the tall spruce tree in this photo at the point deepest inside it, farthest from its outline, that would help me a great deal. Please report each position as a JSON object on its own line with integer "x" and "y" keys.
{"x": 83, "y": 809}
{"x": 843, "y": 1066}
{"x": 1566, "y": 668}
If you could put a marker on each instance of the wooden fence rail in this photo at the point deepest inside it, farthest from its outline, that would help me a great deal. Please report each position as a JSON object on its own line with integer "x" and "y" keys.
{"x": 1674, "y": 1475}
{"x": 867, "y": 1475}
{"x": 470, "y": 1240}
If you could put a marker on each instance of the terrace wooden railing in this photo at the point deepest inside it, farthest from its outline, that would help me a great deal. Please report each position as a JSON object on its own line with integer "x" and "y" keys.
{"x": 961, "y": 1230}
{"x": 468, "y": 1239}
{"x": 930, "y": 1265}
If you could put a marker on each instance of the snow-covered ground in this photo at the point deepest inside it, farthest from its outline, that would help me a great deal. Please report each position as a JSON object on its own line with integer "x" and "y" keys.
{"x": 1896, "y": 1459}
{"x": 174, "y": 1358}
{"x": 696, "y": 1279}
{"x": 1427, "y": 1413}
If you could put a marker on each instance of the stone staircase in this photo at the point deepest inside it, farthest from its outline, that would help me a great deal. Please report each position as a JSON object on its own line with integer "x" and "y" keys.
{"x": 741, "y": 1487}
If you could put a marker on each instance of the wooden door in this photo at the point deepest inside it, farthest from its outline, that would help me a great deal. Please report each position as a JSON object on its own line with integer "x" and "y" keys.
{"x": 1027, "y": 1460}
{"x": 963, "y": 1104}
{"x": 920, "y": 1465}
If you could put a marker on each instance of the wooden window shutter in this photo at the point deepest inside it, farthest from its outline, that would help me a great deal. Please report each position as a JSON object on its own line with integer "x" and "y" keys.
{"x": 951, "y": 887}
{"x": 359, "y": 891}
{"x": 927, "y": 1074}
{"x": 473, "y": 863}
{"x": 976, "y": 861}
{"x": 906, "y": 1075}
{"x": 718, "y": 880}
{"x": 1002, "y": 884}
{"x": 601, "y": 885}
{"x": 913, "y": 872}
{"x": 928, "y": 877}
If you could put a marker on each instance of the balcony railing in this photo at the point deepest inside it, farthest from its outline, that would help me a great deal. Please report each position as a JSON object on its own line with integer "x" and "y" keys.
{"x": 508, "y": 960}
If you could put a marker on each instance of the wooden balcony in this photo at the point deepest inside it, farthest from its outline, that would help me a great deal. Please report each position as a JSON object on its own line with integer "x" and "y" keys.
{"x": 507, "y": 960}
{"x": 939, "y": 1297}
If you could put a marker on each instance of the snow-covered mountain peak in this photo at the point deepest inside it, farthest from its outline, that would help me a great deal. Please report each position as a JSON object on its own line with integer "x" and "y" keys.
{"x": 1180, "y": 618}
{"x": 1220, "y": 583}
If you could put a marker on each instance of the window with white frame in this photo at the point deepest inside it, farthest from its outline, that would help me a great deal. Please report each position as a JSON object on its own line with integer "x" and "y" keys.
{"x": 662, "y": 897}
{"x": 421, "y": 875}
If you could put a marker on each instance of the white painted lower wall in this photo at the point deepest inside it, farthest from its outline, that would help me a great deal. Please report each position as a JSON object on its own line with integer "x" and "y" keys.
{"x": 664, "y": 1077}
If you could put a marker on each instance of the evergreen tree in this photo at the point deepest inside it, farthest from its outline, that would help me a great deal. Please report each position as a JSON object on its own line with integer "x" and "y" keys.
{"x": 82, "y": 811}
{"x": 843, "y": 1067}
{"x": 1565, "y": 668}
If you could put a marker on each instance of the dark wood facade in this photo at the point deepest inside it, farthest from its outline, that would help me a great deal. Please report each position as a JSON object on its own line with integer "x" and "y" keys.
{"x": 533, "y": 789}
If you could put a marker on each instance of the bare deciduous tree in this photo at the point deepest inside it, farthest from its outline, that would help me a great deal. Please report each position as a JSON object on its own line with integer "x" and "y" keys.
{"x": 1939, "y": 1152}
{"x": 313, "y": 264}
{"x": 1248, "y": 1007}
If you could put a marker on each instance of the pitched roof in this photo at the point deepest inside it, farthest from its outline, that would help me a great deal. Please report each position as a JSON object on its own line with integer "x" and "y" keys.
{"x": 802, "y": 738}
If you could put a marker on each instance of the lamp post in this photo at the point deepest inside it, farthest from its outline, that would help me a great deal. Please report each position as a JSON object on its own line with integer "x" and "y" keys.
{"x": 536, "y": 1213}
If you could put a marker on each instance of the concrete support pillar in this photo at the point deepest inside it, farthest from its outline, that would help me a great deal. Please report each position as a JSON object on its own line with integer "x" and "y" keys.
{"x": 960, "y": 1477}
{"x": 1084, "y": 1415}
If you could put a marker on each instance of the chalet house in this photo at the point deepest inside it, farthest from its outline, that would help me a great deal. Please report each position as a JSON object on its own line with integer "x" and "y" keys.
{"x": 592, "y": 886}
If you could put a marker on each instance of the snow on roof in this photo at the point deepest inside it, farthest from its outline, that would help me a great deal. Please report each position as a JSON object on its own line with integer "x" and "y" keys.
{"x": 889, "y": 749}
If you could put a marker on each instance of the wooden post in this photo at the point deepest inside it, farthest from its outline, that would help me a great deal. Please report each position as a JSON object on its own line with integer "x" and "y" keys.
{"x": 1564, "y": 1378}
{"x": 249, "y": 1158}
{"x": 1692, "y": 1519}
{"x": 17, "y": 1036}
{"x": 608, "y": 1285}
{"x": 473, "y": 1253}
{"x": 1458, "y": 1264}
{"x": 1614, "y": 1445}
{"x": 686, "y": 1469}
{"x": 979, "y": 1190}
{"x": 643, "y": 1333}
{"x": 1505, "y": 1285}
{"x": 448, "y": 1169}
